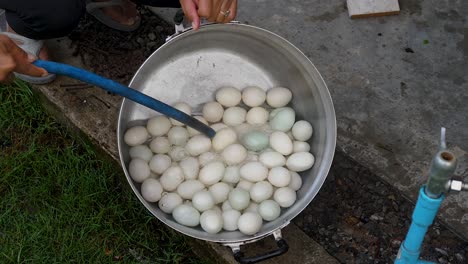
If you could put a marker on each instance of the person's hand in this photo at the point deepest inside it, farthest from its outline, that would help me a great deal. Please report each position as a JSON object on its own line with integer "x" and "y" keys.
{"x": 220, "y": 11}
{"x": 14, "y": 59}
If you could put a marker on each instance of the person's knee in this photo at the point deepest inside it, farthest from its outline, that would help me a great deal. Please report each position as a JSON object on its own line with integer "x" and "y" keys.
{"x": 47, "y": 19}
{"x": 62, "y": 18}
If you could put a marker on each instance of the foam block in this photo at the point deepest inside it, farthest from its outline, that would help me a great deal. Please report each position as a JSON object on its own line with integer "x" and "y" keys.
{"x": 372, "y": 8}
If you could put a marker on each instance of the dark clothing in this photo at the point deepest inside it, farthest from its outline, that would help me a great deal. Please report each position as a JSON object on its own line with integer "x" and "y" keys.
{"x": 45, "y": 19}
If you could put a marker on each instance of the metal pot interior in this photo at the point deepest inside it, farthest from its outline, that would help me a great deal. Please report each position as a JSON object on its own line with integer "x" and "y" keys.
{"x": 193, "y": 65}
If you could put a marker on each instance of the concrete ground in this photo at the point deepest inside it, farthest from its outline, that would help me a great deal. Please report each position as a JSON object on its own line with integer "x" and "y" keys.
{"x": 394, "y": 82}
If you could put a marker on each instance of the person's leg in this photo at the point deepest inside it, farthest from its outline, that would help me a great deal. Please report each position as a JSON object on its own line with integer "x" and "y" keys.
{"x": 43, "y": 19}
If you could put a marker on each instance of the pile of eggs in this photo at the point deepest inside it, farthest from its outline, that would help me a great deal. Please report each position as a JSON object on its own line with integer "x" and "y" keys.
{"x": 241, "y": 177}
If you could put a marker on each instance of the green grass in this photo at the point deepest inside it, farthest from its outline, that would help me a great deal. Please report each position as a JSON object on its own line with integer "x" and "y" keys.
{"x": 59, "y": 203}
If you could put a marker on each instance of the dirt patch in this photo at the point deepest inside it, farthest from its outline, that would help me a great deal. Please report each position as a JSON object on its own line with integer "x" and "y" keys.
{"x": 360, "y": 219}
{"x": 115, "y": 54}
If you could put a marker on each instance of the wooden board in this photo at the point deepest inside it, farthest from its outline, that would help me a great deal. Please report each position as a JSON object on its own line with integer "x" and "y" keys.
{"x": 372, "y": 8}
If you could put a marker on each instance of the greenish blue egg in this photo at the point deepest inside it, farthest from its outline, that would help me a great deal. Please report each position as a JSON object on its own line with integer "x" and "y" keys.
{"x": 255, "y": 141}
{"x": 282, "y": 119}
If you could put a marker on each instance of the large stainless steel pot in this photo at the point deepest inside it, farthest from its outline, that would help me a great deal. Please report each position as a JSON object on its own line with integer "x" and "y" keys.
{"x": 192, "y": 65}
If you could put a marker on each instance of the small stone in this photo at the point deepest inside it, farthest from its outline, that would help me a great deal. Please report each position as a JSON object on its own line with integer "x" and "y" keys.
{"x": 376, "y": 218}
{"x": 151, "y": 36}
{"x": 441, "y": 251}
{"x": 140, "y": 40}
{"x": 396, "y": 243}
{"x": 442, "y": 260}
{"x": 460, "y": 257}
{"x": 151, "y": 44}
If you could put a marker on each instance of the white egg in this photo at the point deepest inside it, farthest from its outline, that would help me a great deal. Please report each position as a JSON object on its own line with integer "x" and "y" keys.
{"x": 253, "y": 96}
{"x": 169, "y": 201}
{"x": 190, "y": 167}
{"x": 160, "y": 163}
{"x": 158, "y": 126}
{"x": 141, "y": 152}
{"x": 281, "y": 143}
{"x": 296, "y": 181}
{"x": 171, "y": 178}
{"x": 246, "y": 185}
{"x": 137, "y": 135}
{"x": 160, "y": 145}
{"x": 269, "y": 210}
{"x": 231, "y": 174}
{"x": 151, "y": 190}
{"x": 257, "y": 116}
{"x": 230, "y": 218}
{"x": 300, "y": 146}
{"x": 188, "y": 188}
{"x": 184, "y": 107}
{"x": 211, "y": 221}
{"x": 239, "y": 199}
{"x": 252, "y": 156}
{"x": 217, "y": 209}
{"x": 139, "y": 170}
{"x": 203, "y": 200}
{"x": 192, "y": 132}
{"x": 302, "y": 130}
{"x": 272, "y": 159}
{"x": 218, "y": 126}
{"x": 300, "y": 161}
{"x": 261, "y": 191}
{"x": 178, "y": 136}
{"x": 285, "y": 196}
{"x": 282, "y": 119}
{"x": 220, "y": 192}
{"x": 207, "y": 157}
{"x": 198, "y": 144}
{"x": 213, "y": 112}
{"x": 212, "y": 173}
{"x": 228, "y": 96}
{"x": 254, "y": 171}
{"x": 224, "y": 138}
{"x": 249, "y": 223}
{"x": 279, "y": 177}
{"x": 278, "y": 97}
{"x": 185, "y": 214}
{"x": 226, "y": 206}
{"x": 253, "y": 207}
{"x": 234, "y": 154}
{"x": 242, "y": 129}
{"x": 178, "y": 153}
{"x": 234, "y": 116}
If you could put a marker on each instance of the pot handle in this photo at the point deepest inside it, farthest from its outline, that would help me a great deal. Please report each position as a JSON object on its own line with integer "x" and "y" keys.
{"x": 179, "y": 25}
{"x": 283, "y": 247}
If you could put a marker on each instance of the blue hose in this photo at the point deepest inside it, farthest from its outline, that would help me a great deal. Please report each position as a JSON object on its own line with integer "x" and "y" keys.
{"x": 117, "y": 88}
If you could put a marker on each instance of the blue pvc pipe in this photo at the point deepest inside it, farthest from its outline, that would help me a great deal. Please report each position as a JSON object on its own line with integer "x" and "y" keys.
{"x": 423, "y": 216}
{"x": 117, "y": 88}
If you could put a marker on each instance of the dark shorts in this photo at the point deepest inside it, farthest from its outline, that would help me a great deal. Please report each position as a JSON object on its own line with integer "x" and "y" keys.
{"x": 45, "y": 19}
